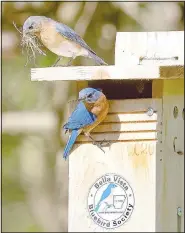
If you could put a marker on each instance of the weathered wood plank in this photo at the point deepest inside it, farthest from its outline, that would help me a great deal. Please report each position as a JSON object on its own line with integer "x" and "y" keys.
{"x": 150, "y": 48}
{"x": 126, "y": 117}
{"x": 133, "y": 106}
{"x": 118, "y": 136}
{"x": 101, "y": 73}
{"x": 125, "y": 127}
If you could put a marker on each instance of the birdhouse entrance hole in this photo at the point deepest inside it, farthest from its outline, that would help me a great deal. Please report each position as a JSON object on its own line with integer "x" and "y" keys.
{"x": 124, "y": 89}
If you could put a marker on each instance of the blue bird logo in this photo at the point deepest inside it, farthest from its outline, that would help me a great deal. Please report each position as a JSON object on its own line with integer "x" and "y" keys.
{"x": 106, "y": 193}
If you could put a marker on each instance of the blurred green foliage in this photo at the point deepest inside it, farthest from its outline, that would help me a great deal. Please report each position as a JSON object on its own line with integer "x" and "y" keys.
{"x": 26, "y": 174}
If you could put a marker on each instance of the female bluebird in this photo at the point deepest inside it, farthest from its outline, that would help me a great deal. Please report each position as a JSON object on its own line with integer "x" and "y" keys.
{"x": 59, "y": 38}
{"x": 90, "y": 111}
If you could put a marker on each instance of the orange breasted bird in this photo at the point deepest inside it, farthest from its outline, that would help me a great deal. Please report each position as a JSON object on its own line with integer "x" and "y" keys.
{"x": 89, "y": 112}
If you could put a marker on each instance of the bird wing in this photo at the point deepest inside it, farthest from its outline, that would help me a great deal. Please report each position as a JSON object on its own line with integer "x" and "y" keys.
{"x": 80, "y": 117}
{"x": 70, "y": 34}
{"x": 106, "y": 193}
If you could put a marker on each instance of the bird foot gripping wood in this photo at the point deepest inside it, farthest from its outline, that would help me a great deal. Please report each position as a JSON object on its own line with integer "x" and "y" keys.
{"x": 56, "y": 62}
{"x": 69, "y": 62}
{"x": 63, "y": 65}
{"x": 98, "y": 144}
{"x": 101, "y": 144}
{"x": 100, "y": 148}
{"x": 105, "y": 143}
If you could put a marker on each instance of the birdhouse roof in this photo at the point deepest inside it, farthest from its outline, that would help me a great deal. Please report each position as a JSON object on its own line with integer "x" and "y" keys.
{"x": 138, "y": 55}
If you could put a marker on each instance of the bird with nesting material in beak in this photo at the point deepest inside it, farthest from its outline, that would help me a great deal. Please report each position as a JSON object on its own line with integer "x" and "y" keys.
{"x": 59, "y": 39}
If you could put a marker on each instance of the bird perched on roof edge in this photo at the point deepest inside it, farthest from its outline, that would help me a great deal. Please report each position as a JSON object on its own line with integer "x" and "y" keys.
{"x": 59, "y": 38}
{"x": 90, "y": 111}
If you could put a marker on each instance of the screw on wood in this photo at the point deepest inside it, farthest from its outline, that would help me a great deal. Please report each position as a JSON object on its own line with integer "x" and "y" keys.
{"x": 179, "y": 211}
{"x": 175, "y": 112}
{"x": 156, "y": 58}
{"x": 150, "y": 111}
{"x": 174, "y": 147}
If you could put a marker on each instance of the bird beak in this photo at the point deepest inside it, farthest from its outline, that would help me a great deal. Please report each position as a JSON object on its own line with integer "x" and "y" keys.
{"x": 81, "y": 99}
{"x": 26, "y": 31}
{"x": 29, "y": 31}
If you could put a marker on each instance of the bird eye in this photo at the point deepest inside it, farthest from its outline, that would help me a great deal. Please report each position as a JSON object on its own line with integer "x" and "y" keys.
{"x": 30, "y": 27}
{"x": 90, "y": 95}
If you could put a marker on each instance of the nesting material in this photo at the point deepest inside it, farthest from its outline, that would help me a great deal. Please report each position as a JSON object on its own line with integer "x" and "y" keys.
{"x": 32, "y": 45}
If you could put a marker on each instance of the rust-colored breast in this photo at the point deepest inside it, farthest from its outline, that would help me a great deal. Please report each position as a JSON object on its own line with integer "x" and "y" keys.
{"x": 89, "y": 106}
{"x": 99, "y": 106}
{"x": 100, "y": 109}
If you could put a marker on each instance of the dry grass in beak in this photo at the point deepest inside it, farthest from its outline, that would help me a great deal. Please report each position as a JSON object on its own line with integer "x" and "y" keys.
{"x": 31, "y": 44}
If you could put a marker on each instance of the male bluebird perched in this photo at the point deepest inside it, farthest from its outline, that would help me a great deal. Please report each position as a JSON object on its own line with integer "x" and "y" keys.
{"x": 59, "y": 38}
{"x": 90, "y": 111}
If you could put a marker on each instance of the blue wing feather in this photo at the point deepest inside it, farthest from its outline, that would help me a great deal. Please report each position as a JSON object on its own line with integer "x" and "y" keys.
{"x": 70, "y": 34}
{"x": 70, "y": 143}
{"x": 80, "y": 117}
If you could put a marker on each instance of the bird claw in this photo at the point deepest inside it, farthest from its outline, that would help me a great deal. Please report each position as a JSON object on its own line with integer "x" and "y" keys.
{"x": 101, "y": 148}
{"x": 63, "y": 65}
{"x": 101, "y": 144}
{"x": 69, "y": 63}
{"x": 98, "y": 145}
{"x": 104, "y": 143}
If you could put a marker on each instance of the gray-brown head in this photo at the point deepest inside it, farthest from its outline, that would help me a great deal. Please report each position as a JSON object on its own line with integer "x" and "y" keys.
{"x": 33, "y": 24}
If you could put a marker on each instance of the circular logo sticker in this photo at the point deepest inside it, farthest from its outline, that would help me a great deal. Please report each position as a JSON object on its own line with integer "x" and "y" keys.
{"x": 110, "y": 201}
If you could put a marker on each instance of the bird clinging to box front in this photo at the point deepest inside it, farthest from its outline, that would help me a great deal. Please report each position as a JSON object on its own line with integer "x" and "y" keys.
{"x": 90, "y": 111}
{"x": 59, "y": 38}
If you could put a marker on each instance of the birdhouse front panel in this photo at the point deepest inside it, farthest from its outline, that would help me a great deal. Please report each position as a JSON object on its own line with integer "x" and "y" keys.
{"x": 128, "y": 176}
{"x": 133, "y": 130}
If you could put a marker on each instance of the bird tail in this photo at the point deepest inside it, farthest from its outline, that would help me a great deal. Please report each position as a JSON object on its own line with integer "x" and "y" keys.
{"x": 97, "y": 207}
{"x": 70, "y": 143}
{"x": 97, "y": 59}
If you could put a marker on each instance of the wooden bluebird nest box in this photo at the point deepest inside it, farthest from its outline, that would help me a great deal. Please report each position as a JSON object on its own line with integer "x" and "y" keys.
{"x": 148, "y": 132}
